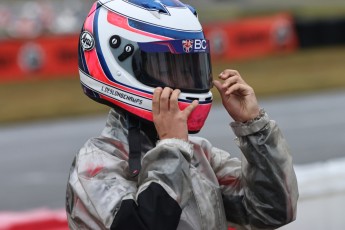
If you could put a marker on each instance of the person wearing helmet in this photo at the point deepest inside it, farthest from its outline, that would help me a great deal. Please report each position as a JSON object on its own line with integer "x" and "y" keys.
{"x": 150, "y": 62}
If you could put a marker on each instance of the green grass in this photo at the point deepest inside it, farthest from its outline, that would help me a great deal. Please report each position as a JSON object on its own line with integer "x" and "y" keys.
{"x": 299, "y": 72}
{"x": 47, "y": 99}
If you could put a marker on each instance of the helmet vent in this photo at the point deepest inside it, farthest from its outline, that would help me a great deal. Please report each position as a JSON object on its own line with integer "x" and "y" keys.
{"x": 155, "y": 6}
{"x": 192, "y": 98}
{"x": 198, "y": 99}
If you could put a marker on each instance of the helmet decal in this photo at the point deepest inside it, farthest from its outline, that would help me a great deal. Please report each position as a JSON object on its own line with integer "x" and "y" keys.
{"x": 187, "y": 45}
{"x": 154, "y": 5}
{"x": 87, "y": 41}
{"x": 177, "y": 46}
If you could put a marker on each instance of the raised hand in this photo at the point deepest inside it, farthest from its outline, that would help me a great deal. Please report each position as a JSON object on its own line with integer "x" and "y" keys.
{"x": 237, "y": 96}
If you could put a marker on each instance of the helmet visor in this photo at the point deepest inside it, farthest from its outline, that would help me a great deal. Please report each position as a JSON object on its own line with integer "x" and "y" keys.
{"x": 179, "y": 64}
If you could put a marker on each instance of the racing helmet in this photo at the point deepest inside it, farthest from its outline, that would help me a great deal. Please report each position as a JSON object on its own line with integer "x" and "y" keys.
{"x": 127, "y": 48}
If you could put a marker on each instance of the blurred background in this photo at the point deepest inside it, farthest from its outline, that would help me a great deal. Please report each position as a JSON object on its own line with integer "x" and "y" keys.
{"x": 291, "y": 52}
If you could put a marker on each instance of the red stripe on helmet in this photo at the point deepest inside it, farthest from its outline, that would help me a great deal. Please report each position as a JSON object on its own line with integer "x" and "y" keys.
{"x": 195, "y": 122}
{"x": 88, "y": 25}
{"x": 91, "y": 58}
{"x": 122, "y": 22}
{"x": 197, "y": 118}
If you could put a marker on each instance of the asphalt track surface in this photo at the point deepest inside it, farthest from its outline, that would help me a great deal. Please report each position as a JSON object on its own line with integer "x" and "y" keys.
{"x": 35, "y": 158}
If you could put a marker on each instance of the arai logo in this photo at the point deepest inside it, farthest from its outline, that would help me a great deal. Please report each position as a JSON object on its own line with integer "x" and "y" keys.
{"x": 87, "y": 41}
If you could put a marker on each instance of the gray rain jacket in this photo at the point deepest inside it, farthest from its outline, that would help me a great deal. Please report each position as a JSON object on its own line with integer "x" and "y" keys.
{"x": 182, "y": 185}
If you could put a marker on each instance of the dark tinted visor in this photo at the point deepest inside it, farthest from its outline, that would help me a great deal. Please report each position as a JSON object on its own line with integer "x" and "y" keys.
{"x": 179, "y": 64}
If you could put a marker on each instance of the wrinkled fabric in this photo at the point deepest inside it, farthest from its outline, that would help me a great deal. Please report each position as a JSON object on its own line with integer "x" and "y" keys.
{"x": 213, "y": 189}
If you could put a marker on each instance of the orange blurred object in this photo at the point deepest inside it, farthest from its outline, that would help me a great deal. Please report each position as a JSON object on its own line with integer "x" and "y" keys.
{"x": 252, "y": 37}
{"x": 44, "y": 57}
{"x": 57, "y": 56}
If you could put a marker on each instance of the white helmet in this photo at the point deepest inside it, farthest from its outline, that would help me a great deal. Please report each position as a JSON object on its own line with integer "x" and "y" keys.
{"x": 130, "y": 47}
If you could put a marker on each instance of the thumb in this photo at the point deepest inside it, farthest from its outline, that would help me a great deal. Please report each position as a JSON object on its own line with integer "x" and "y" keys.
{"x": 219, "y": 87}
{"x": 191, "y": 107}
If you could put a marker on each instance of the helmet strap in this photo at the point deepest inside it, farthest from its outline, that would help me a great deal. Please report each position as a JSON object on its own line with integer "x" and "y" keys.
{"x": 134, "y": 142}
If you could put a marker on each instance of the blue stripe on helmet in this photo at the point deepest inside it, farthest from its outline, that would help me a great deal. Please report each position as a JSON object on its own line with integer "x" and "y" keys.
{"x": 156, "y": 5}
{"x": 81, "y": 60}
{"x": 98, "y": 46}
{"x": 166, "y": 32}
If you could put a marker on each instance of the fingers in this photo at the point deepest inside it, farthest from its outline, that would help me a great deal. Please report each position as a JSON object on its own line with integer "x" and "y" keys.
{"x": 231, "y": 81}
{"x": 229, "y": 73}
{"x": 174, "y": 100}
{"x": 164, "y": 99}
{"x": 167, "y": 99}
{"x": 230, "y": 77}
{"x": 219, "y": 87}
{"x": 187, "y": 111}
{"x": 156, "y": 101}
{"x": 226, "y": 90}
{"x": 239, "y": 89}
{"x": 175, "y": 107}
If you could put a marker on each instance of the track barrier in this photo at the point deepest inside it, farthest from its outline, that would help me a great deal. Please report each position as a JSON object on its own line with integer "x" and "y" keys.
{"x": 252, "y": 37}
{"x": 56, "y": 56}
{"x": 42, "y": 58}
{"x": 42, "y": 219}
{"x": 320, "y": 32}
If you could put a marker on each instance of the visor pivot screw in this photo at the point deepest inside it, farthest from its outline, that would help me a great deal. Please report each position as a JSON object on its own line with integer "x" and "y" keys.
{"x": 115, "y": 41}
{"x": 128, "y": 51}
{"x": 118, "y": 73}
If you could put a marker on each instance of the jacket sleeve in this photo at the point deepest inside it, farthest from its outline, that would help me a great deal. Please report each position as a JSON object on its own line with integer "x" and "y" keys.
{"x": 260, "y": 191}
{"x": 101, "y": 196}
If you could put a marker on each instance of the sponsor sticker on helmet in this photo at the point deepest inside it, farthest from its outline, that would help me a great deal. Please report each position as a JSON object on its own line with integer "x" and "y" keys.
{"x": 200, "y": 45}
{"x": 122, "y": 96}
{"x": 187, "y": 45}
{"x": 87, "y": 41}
{"x": 195, "y": 45}
{"x": 178, "y": 46}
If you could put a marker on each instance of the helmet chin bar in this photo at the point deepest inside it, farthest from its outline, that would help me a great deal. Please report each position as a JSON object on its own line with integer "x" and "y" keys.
{"x": 142, "y": 106}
